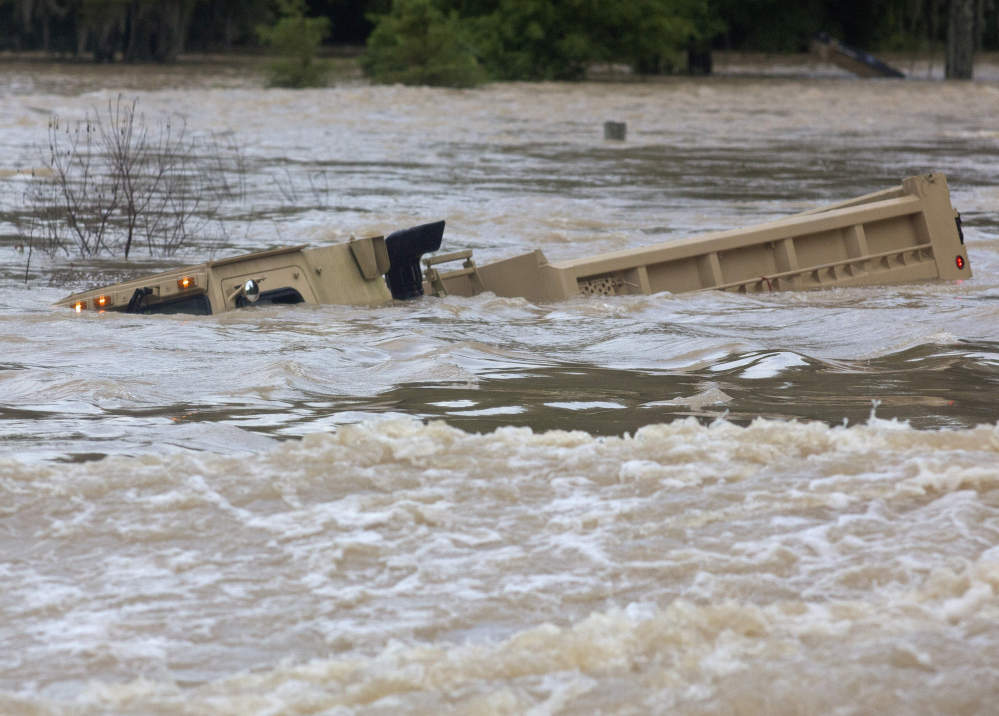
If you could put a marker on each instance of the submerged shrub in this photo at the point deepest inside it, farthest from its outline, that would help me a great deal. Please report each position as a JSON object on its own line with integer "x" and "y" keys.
{"x": 536, "y": 40}
{"x": 296, "y": 39}
{"x": 540, "y": 40}
{"x": 447, "y": 42}
{"x": 114, "y": 181}
{"x": 658, "y": 36}
{"x": 417, "y": 44}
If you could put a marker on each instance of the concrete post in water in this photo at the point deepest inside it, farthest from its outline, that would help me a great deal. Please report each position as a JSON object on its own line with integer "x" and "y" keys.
{"x": 617, "y": 131}
{"x": 960, "y": 39}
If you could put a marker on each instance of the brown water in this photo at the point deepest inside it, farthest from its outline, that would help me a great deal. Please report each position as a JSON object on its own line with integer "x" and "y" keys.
{"x": 671, "y": 504}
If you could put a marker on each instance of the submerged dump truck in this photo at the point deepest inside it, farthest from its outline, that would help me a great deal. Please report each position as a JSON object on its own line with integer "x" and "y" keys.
{"x": 905, "y": 234}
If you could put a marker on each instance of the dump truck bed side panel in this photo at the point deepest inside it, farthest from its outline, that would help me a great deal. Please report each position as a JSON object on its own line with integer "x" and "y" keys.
{"x": 899, "y": 235}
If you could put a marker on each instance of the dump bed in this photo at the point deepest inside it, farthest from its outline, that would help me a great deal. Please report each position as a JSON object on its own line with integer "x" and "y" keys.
{"x": 900, "y": 235}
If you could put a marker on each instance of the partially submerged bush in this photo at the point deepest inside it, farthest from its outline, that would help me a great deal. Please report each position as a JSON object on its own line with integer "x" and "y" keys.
{"x": 113, "y": 183}
{"x": 536, "y": 40}
{"x": 417, "y": 44}
{"x": 296, "y": 39}
{"x": 421, "y": 42}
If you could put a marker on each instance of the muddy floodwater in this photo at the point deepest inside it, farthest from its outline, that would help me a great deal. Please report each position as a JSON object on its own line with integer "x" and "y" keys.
{"x": 709, "y": 503}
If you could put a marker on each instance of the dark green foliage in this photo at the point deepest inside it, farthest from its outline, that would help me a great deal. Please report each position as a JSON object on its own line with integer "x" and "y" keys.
{"x": 559, "y": 40}
{"x": 509, "y": 38}
{"x": 417, "y": 44}
{"x": 296, "y": 39}
{"x": 535, "y": 39}
{"x": 654, "y": 36}
{"x": 538, "y": 39}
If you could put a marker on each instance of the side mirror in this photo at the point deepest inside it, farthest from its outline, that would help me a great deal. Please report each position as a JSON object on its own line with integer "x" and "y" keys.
{"x": 251, "y": 291}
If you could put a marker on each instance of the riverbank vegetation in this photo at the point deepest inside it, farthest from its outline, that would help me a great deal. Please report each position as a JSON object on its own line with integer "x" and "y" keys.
{"x": 460, "y": 42}
{"x": 416, "y": 43}
{"x": 295, "y": 39}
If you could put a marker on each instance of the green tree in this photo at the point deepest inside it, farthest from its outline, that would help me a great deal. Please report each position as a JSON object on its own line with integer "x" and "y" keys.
{"x": 654, "y": 36}
{"x": 296, "y": 39}
{"x": 536, "y": 39}
{"x": 418, "y": 44}
{"x": 541, "y": 39}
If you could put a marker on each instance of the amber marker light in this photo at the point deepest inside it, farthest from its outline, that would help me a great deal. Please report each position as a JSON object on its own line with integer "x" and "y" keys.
{"x": 959, "y": 261}
{"x": 102, "y": 301}
{"x": 79, "y": 306}
{"x": 185, "y": 283}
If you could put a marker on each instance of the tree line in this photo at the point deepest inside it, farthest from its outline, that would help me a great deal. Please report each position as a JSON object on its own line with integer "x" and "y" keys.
{"x": 159, "y": 30}
{"x": 505, "y": 38}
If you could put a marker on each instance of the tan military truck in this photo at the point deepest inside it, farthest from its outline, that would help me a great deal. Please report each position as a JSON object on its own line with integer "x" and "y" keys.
{"x": 905, "y": 234}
